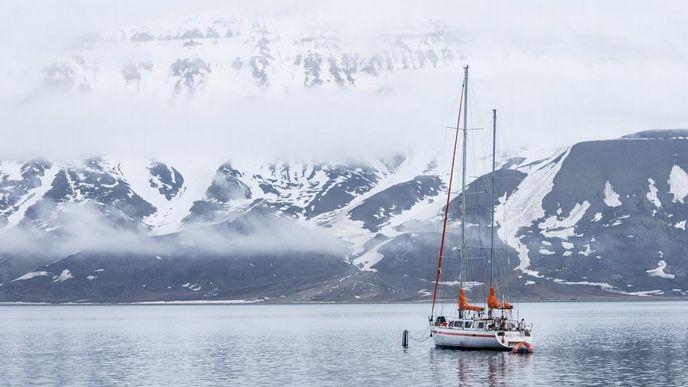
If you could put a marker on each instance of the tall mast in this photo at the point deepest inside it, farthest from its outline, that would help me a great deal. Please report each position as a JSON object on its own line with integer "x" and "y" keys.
{"x": 492, "y": 191}
{"x": 463, "y": 179}
{"x": 446, "y": 210}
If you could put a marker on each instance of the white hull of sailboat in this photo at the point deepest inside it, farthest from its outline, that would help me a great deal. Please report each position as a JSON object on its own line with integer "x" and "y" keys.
{"x": 478, "y": 339}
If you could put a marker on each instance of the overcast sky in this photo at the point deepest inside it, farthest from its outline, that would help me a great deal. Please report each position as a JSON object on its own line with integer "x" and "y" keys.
{"x": 559, "y": 72}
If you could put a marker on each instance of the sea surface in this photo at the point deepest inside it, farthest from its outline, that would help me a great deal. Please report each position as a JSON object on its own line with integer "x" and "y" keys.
{"x": 611, "y": 343}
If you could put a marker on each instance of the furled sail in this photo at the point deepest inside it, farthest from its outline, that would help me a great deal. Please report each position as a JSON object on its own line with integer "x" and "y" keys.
{"x": 493, "y": 303}
{"x": 464, "y": 305}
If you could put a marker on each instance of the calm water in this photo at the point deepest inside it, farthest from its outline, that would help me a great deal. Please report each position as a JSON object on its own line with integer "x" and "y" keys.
{"x": 643, "y": 343}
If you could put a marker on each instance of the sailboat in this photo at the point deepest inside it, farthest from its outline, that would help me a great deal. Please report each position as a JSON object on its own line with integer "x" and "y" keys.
{"x": 492, "y": 326}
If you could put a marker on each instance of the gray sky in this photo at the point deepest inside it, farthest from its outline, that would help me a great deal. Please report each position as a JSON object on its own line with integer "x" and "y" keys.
{"x": 559, "y": 72}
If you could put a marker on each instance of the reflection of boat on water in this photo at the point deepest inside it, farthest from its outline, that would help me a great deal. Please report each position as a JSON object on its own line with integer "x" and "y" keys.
{"x": 472, "y": 327}
{"x": 480, "y": 368}
{"x": 496, "y": 371}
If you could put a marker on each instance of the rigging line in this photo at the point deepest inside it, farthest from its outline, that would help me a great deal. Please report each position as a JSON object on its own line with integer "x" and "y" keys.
{"x": 479, "y": 267}
{"x": 463, "y": 179}
{"x": 501, "y": 271}
{"x": 492, "y": 194}
{"x": 457, "y": 98}
{"x": 446, "y": 214}
{"x": 474, "y": 101}
{"x": 473, "y": 270}
{"x": 480, "y": 264}
{"x": 422, "y": 337}
{"x": 484, "y": 139}
{"x": 505, "y": 257}
{"x": 493, "y": 257}
{"x": 443, "y": 167}
{"x": 445, "y": 161}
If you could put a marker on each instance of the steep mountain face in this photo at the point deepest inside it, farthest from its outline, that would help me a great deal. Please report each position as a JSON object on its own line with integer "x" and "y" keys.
{"x": 379, "y": 208}
{"x": 614, "y": 217}
{"x": 600, "y": 215}
{"x": 598, "y": 219}
{"x": 95, "y": 180}
{"x": 307, "y": 217}
{"x": 22, "y": 185}
{"x": 244, "y": 56}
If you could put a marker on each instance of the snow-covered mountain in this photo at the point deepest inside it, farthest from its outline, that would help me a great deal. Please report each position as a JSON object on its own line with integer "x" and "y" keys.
{"x": 163, "y": 198}
{"x": 244, "y": 56}
{"x": 133, "y": 207}
{"x": 599, "y": 218}
{"x": 608, "y": 214}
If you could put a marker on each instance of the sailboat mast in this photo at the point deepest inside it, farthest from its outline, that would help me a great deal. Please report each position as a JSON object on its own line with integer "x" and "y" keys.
{"x": 492, "y": 193}
{"x": 462, "y": 257}
{"x": 446, "y": 211}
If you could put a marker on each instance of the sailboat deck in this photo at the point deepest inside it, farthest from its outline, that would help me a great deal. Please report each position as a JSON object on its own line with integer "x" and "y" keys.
{"x": 487, "y": 324}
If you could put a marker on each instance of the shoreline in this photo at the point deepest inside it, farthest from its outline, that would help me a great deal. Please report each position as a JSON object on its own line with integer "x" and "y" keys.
{"x": 260, "y": 302}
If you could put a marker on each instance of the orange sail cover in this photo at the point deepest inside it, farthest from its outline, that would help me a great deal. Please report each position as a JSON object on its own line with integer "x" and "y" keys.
{"x": 493, "y": 303}
{"x": 464, "y": 305}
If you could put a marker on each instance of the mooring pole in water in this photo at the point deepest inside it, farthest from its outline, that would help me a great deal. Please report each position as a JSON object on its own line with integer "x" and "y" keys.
{"x": 404, "y": 339}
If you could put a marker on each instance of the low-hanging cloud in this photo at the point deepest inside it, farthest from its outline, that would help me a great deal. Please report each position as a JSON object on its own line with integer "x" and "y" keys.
{"x": 266, "y": 234}
{"x": 558, "y": 72}
{"x": 84, "y": 227}
{"x": 325, "y": 124}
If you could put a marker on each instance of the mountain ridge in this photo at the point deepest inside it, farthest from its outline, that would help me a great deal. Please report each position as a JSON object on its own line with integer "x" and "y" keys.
{"x": 579, "y": 222}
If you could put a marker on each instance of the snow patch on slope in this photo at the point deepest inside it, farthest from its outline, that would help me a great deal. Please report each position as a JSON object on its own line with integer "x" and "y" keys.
{"x": 11, "y": 170}
{"x": 353, "y": 232}
{"x": 553, "y": 227}
{"x": 524, "y": 206}
{"x": 652, "y": 195}
{"x": 467, "y": 285}
{"x": 366, "y": 261}
{"x": 611, "y": 198}
{"x": 659, "y": 271}
{"x": 64, "y": 276}
{"x": 30, "y": 275}
{"x": 678, "y": 183}
{"x": 607, "y": 287}
{"x": 601, "y": 285}
{"x": 198, "y": 176}
{"x": 34, "y": 196}
{"x": 587, "y": 251}
{"x": 136, "y": 173}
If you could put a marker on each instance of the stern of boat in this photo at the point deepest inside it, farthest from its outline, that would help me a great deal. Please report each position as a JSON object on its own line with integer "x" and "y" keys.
{"x": 509, "y": 339}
